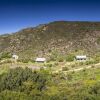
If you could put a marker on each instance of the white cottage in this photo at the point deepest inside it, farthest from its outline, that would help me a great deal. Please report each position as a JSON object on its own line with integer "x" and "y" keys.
{"x": 40, "y": 60}
{"x": 15, "y": 57}
{"x": 81, "y": 57}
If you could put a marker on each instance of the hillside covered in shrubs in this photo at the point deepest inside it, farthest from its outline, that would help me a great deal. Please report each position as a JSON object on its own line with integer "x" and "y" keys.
{"x": 62, "y": 36}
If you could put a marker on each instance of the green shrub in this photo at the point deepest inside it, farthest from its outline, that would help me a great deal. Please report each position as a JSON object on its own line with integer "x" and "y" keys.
{"x": 97, "y": 59}
{"x": 95, "y": 89}
{"x": 90, "y": 62}
{"x": 5, "y": 55}
{"x": 98, "y": 40}
{"x": 73, "y": 65}
{"x": 92, "y": 66}
{"x": 24, "y": 60}
{"x": 60, "y": 59}
{"x": 70, "y": 57}
{"x": 56, "y": 64}
{"x": 49, "y": 65}
{"x": 52, "y": 58}
{"x": 6, "y": 61}
{"x": 65, "y": 68}
{"x": 69, "y": 77}
{"x": 12, "y": 95}
{"x": 18, "y": 79}
{"x": 54, "y": 55}
{"x": 81, "y": 63}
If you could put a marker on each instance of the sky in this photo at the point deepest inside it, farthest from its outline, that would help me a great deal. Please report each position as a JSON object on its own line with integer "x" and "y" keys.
{"x": 18, "y": 14}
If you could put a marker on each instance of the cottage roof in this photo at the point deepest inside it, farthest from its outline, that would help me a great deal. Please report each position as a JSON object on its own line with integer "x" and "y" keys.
{"x": 81, "y": 57}
{"x": 41, "y": 59}
{"x": 15, "y": 56}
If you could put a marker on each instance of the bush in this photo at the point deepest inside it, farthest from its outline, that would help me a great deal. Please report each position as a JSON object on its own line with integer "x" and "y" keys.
{"x": 90, "y": 62}
{"x": 56, "y": 64}
{"x": 65, "y": 68}
{"x": 81, "y": 63}
{"x": 92, "y": 66}
{"x": 73, "y": 65}
{"x": 6, "y": 55}
{"x": 11, "y": 95}
{"x": 48, "y": 65}
{"x": 24, "y": 60}
{"x": 60, "y": 59}
{"x": 97, "y": 59}
{"x": 70, "y": 57}
{"x": 6, "y": 61}
{"x": 19, "y": 79}
{"x": 69, "y": 77}
{"x": 95, "y": 89}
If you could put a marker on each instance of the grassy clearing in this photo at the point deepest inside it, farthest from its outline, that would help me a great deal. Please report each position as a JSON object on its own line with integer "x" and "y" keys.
{"x": 4, "y": 68}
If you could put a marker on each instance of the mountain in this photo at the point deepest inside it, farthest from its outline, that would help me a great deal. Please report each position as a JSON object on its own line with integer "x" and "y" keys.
{"x": 62, "y": 36}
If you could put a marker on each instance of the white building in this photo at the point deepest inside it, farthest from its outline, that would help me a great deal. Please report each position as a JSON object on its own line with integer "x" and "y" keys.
{"x": 15, "y": 57}
{"x": 81, "y": 57}
{"x": 40, "y": 60}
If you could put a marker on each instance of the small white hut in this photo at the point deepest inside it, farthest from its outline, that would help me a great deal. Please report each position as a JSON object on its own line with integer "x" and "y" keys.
{"x": 40, "y": 60}
{"x": 15, "y": 57}
{"x": 81, "y": 57}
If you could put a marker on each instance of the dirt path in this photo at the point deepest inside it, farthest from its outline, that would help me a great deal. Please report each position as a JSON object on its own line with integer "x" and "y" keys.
{"x": 79, "y": 69}
{"x": 57, "y": 71}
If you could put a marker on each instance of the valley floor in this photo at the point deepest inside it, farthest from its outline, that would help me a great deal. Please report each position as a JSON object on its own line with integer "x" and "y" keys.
{"x": 49, "y": 81}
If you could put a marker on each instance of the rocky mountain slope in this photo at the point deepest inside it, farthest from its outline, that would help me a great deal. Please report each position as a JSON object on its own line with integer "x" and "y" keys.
{"x": 62, "y": 36}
